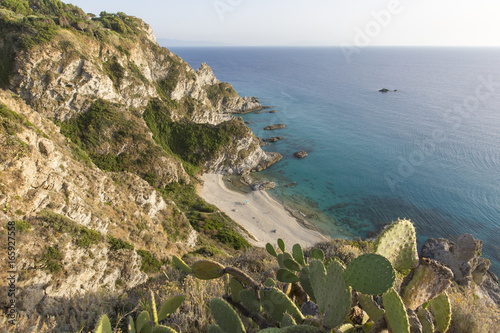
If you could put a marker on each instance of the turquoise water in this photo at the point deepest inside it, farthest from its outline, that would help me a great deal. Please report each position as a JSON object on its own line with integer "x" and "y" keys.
{"x": 429, "y": 152}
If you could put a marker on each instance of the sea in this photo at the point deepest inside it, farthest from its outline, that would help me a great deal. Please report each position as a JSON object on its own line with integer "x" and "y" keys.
{"x": 427, "y": 150}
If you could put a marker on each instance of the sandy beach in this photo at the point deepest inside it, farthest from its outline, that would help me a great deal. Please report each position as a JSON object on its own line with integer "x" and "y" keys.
{"x": 263, "y": 217}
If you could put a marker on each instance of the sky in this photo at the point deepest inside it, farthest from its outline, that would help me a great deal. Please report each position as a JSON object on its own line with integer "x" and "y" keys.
{"x": 357, "y": 23}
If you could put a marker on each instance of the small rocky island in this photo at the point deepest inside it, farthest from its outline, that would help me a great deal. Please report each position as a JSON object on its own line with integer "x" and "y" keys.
{"x": 300, "y": 154}
{"x": 384, "y": 90}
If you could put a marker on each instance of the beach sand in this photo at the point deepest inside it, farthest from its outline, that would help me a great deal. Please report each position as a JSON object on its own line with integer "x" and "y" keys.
{"x": 262, "y": 217}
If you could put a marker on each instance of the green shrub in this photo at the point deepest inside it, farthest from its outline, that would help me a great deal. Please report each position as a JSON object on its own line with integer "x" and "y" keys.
{"x": 118, "y": 244}
{"x": 232, "y": 238}
{"x": 88, "y": 238}
{"x": 149, "y": 263}
{"x": 22, "y": 226}
{"x": 53, "y": 257}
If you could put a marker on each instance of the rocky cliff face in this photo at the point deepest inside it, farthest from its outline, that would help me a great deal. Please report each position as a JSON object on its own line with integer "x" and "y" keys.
{"x": 40, "y": 175}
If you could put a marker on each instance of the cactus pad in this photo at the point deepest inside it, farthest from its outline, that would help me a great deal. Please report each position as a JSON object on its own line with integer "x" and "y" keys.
{"x": 395, "y": 312}
{"x": 398, "y": 243}
{"x": 276, "y": 303}
{"x": 317, "y": 254}
{"x": 318, "y": 281}
{"x": 370, "y": 274}
{"x": 270, "y": 283}
{"x": 271, "y": 250}
{"x": 170, "y": 306}
{"x": 281, "y": 245}
{"x": 298, "y": 254}
{"x": 287, "y": 321}
{"x": 426, "y": 320}
{"x": 131, "y": 325}
{"x": 250, "y": 301}
{"x": 305, "y": 282}
{"x": 373, "y": 311}
{"x": 207, "y": 270}
{"x": 141, "y": 320}
{"x": 103, "y": 326}
{"x": 441, "y": 308}
{"x": 337, "y": 294}
{"x": 286, "y": 276}
{"x": 227, "y": 319}
{"x": 282, "y": 257}
{"x": 236, "y": 287}
{"x": 181, "y": 264}
{"x": 292, "y": 265}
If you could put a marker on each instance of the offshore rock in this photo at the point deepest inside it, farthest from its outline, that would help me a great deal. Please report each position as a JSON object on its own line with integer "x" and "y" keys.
{"x": 300, "y": 154}
{"x": 262, "y": 185}
{"x": 273, "y": 139}
{"x": 274, "y": 127}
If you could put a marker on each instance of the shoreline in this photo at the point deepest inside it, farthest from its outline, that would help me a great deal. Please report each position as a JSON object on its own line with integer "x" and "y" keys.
{"x": 263, "y": 218}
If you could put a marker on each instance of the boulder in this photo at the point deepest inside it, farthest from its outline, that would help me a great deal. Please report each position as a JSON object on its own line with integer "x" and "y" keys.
{"x": 384, "y": 90}
{"x": 300, "y": 154}
{"x": 262, "y": 185}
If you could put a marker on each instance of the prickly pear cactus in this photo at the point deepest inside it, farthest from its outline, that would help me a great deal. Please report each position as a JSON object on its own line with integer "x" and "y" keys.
{"x": 286, "y": 276}
{"x": 281, "y": 245}
{"x": 179, "y": 263}
{"x": 398, "y": 243}
{"x": 142, "y": 321}
{"x": 370, "y": 274}
{"x": 425, "y": 319}
{"x": 276, "y": 303}
{"x": 441, "y": 308}
{"x": 271, "y": 250}
{"x": 236, "y": 288}
{"x": 170, "y": 306}
{"x": 317, "y": 273}
{"x": 207, "y": 270}
{"x": 373, "y": 311}
{"x": 282, "y": 257}
{"x": 298, "y": 254}
{"x": 214, "y": 328}
{"x": 337, "y": 294}
{"x": 305, "y": 282}
{"x": 395, "y": 312}
{"x": 317, "y": 254}
{"x": 103, "y": 326}
{"x": 227, "y": 319}
{"x": 131, "y": 325}
{"x": 250, "y": 301}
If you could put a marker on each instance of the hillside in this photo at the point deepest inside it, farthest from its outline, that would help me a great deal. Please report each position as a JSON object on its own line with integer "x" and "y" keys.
{"x": 103, "y": 135}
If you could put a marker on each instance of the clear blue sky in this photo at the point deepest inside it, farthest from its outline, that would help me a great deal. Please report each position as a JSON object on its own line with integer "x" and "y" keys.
{"x": 316, "y": 22}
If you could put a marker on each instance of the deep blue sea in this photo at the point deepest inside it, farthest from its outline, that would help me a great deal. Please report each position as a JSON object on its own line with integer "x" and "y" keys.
{"x": 429, "y": 152}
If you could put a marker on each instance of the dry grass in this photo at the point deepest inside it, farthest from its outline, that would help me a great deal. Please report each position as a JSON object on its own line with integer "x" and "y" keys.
{"x": 471, "y": 314}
